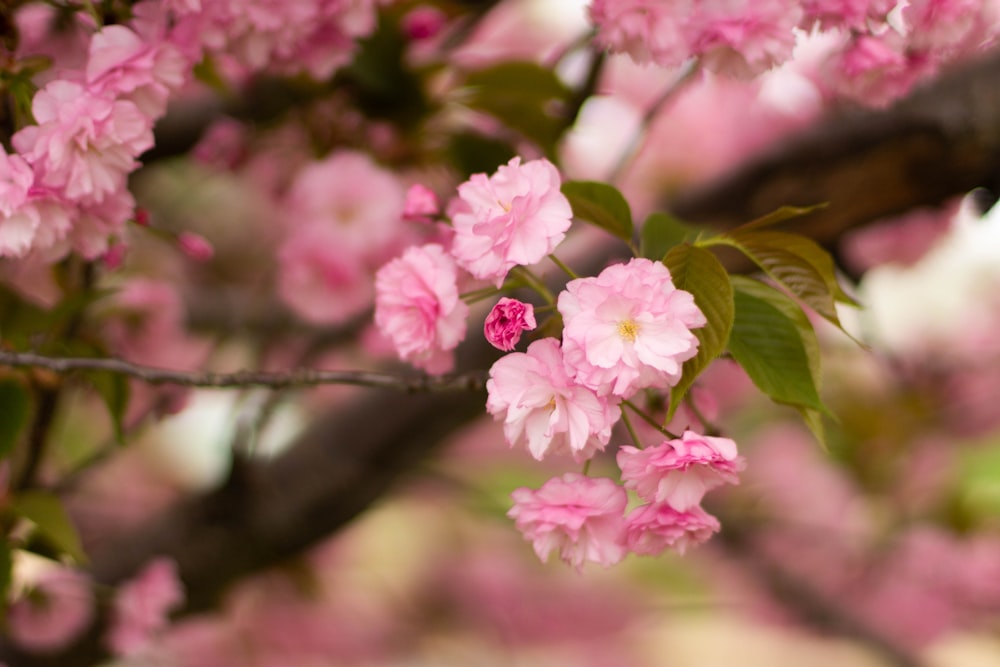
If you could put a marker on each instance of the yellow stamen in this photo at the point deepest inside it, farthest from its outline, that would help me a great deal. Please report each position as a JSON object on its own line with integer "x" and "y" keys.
{"x": 628, "y": 330}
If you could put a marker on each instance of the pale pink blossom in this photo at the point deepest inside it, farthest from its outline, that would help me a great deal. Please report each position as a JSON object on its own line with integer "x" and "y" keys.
{"x": 508, "y": 318}
{"x": 421, "y": 204}
{"x": 126, "y": 65}
{"x": 141, "y": 606}
{"x": 53, "y": 612}
{"x": 678, "y": 472}
{"x": 84, "y": 145}
{"x": 18, "y": 224}
{"x": 516, "y": 216}
{"x": 648, "y": 30}
{"x": 579, "y": 517}
{"x": 543, "y": 408}
{"x": 350, "y": 194}
{"x": 319, "y": 280}
{"x": 195, "y": 246}
{"x": 938, "y": 25}
{"x": 651, "y": 529}
{"x": 876, "y": 70}
{"x": 743, "y": 38}
{"x": 852, "y": 14}
{"x": 628, "y": 328}
{"x": 417, "y": 306}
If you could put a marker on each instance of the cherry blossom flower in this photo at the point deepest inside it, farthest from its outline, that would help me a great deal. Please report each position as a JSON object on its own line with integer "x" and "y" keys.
{"x": 647, "y": 30}
{"x": 517, "y": 216}
{"x": 650, "y": 529}
{"x": 141, "y": 607}
{"x": 678, "y": 472}
{"x": 580, "y": 517}
{"x": 628, "y": 328}
{"x": 417, "y": 306}
{"x": 84, "y": 144}
{"x": 543, "y": 408}
{"x": 744, "y": 38}
{"x": 53, "y": 612}
{"x": 421, "y": 204}
{"x": 195, "y": 246}
{"x": 18, "y": 224}
{"x": 506, "y": 321}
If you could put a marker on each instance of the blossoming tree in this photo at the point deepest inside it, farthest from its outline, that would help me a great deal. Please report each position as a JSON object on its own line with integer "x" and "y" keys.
{"x": 612, "y": 230}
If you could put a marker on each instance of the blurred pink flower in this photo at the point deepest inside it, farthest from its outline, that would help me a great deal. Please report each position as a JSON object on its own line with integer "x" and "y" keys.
{"x": 423, "y": 22}
{"x": 195, "y": 246}
{"x": 506, "y": 321}
{"x": 581, "y": 517}
{"x": 18, "y": 223}
{"x": 418, "y": 307}
{"x": 678, "y": 472}
{"x": 744, "y": 38}
{"x": 647, "y": 30}
{"x": 517, "y": 216}
{"x": 141, "y": 606}
{"x": 876, "y": 70}
{"x": 543, "y": 408}
{"x": 53, "y": 612}
{"x": 650, "y": 529}
{"x": 628, "y": 328}
{"x": 421, "y": 204}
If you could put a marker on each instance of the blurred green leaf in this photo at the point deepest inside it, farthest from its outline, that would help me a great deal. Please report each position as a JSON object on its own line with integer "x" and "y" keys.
{"x": 602, "y": 205}
{"x": 525, "y": 96}
{"x": 113, "y": 389}
{"x": 473, "y": 153}
{"x": 698, "y": 271}
{"x": 14, "y": 405}
{"x": 775, "y": 344}
{"x": 46, "y": 511}
{"x": 661, "y": 232}
{"x": 778, "y": 216}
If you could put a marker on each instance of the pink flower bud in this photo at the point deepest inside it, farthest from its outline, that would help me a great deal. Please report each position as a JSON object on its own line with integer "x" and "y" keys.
{"x": 421, "y": 204}
{"x": 195, "y": 246}
{"x": 423, "y": 23}
{"x": 114, "y": 256}
{"x": 142, "y": 217}
{"x": 506, "y": 321}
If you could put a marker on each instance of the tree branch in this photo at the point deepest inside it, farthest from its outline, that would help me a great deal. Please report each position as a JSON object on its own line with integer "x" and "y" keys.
{"x": 300, "y": 377}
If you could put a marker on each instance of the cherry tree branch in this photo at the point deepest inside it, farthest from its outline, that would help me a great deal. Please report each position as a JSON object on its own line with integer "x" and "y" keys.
{"x": 299, "y": 377}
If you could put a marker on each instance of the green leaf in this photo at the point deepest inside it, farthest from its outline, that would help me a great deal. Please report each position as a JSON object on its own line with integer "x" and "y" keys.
{"x": 114, "y": 391}
{"x": 525, "y": 96}
{"x": 602, "y": 205}
{"x": 698, "y": 271}
{"x": 775, "y": 344}
{"x": 661, "y": 232}
{"x": 797, "y": 263}
{"x": 473, "y": 153}
{"x": 778, "y": 216}
{"x": 14, "y": 405}
{"x": 47, "y": 513}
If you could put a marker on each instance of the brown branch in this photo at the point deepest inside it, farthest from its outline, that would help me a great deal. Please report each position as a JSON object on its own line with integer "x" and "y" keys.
{"x": 300, "y": 377}
{"x": 941, "y": 141}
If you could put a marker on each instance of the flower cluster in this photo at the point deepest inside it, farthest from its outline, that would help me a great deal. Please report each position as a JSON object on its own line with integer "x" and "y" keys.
{"x": 626, "y": 330}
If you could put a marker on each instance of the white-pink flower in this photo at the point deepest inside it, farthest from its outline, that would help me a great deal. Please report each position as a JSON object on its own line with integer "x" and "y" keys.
{"x": 508, "y": 318}
{"x": 743, "y": 38}
{"x": 650, "y": 529}
{"x": 678, "y": 472}
{"x": 647, "y": 30}
{"x": 84, "y": 145}
{"x": 53, "y": 612}
{"x": 18, "y": 224}
{"x": 543, "y": 408}
{"x": 628, "y": 328}
{"x": 141, "y": 607}
{"x": 579, "y": 517}
{"x": 417, "y": 306}
{"x": 516, "y": 216}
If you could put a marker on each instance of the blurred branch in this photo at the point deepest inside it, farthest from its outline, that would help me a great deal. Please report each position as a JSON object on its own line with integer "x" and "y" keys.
{"x": 941, "y": 141}
{"x": 300, "y": 377}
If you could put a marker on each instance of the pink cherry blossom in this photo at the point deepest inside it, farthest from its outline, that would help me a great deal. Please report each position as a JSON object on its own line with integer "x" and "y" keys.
{"x": 195, "y": 246}
{"x": 941, "y": 24}
{"x": 678, "y": 472}
{"x": 650, "y": 529}
{"x": 580, "y": 517}
{"x": 418, "y": 307}
{"x": 516, "y": 216}
{"x": 543, "y": 408}
{"x": 321, "y": 282}
{"x": 53, "y": 612}
{"x": 421, "y": 204}
{"x": 743, "y": 38}
{"x": 423, "y": 22}
{"x": 18, "y": 224}
{"x": 628, "y": 328}
{"x": 876, "y": 70}
{"x": 506, "y": 321}
{"x": 648, "y": 30}
{"x": 141, "y": 606}
{"x": 84, "y": 144}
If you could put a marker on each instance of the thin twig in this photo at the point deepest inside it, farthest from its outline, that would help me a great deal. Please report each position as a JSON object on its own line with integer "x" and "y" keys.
{"x": 299, "y": 377}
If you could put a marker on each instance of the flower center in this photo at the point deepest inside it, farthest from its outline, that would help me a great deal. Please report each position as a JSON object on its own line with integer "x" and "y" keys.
{"x": 628, "y": 329}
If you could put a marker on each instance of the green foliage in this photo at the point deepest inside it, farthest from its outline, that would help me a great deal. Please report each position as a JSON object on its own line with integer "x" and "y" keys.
{"x": 473, "y": 153}
{"x": 602, "y": 205}
{"x": 47, "y": 513}
{"x": 775, "y": 344}
{"x": 699, "y": 272}
{"x": 525, "y": 96}
{"x": 780, "y": 215}
{"x": 661, "y": 232}
{"x": 14, "y": 407}
{"x": 113, "y": 389}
